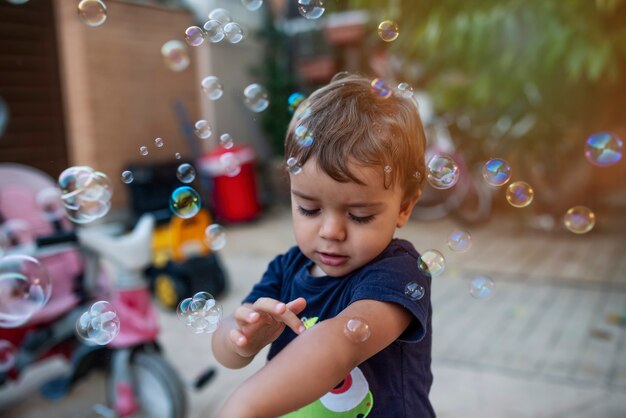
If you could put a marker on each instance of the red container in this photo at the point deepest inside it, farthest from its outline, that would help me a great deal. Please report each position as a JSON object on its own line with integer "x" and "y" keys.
{"x": 234, "y": 190}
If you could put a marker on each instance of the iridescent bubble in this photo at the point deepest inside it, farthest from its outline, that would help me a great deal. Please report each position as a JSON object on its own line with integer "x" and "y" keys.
{"x": 603, "y": 149}
{"x": 185, "y": 202}
{"x": 303, "y": 136}
{"x": 214, "y": 31}
{"x": 414, "y": 291}
{"x": 255, "y": 97}
{"x": 230, "y": 164}
{"x": 292, "y": 166}
{"x": 519, "y": 194}
{"x": 482, "y": 287}
{"x": 85, "y": 194}
{"x": 200, "y": 312}
{"x": 203, "y": 129}
{"x": 216, "y": 236}
{"x": 72, "y": 182}
{"x": 405, "y": 90}
{"x": 252, "y": 5}
{"x": 4, "y": 116}
{"x": 221, "y": 15}
{"x": 25, "y": 288}
{"x": 194, "y": 36}
{"x": 159, "y": 142}
{"x": 127, "y": 176}
{"x": 388, "y": 30}
{"x": 99, "y": 325}
{"x": 175, "y": 55}
{"x": 431, "y": 263}
{"x": 178, "y": 156}
{"x": 381, "y": 88}
{"x": 97, "y": 187}
{"x": 92, "y": 12}
{"x": 143, "y": 150}
{"x": 7, "y": 356}
{"x": 311, "y": 9}
{"x": 357, "y": 330}
{"x": 459, "y": 241}
{"x": 294, "y": 100}
{"x": 212, "y": 87}
{"x": 442, "y": 171}
{"x": 497, "y": 172}
{"x": 226, "y": 141}
{"x": 186, "y": 173}
{"x": 579, "y": 219}
{"x": 233, "y": 32}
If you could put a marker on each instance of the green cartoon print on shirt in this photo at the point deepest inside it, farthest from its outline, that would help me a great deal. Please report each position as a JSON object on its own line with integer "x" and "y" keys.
{"x": 349, "y": 399}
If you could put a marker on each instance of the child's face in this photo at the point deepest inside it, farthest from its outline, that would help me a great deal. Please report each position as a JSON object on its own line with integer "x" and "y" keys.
{"x": 343, "y": 226}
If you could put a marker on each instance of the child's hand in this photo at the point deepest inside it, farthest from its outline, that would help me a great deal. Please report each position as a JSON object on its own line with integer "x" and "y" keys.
{"x": 261, "y": 323}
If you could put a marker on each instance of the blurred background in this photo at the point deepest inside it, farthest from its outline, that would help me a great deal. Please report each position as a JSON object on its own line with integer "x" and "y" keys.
{"x": 125, "y": 87}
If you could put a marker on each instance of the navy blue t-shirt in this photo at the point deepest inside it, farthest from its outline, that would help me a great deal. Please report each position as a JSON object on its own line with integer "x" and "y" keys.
{"x": 393, "y": 383}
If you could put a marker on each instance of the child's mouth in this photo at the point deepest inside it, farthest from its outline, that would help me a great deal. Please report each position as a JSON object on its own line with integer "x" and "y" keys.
{"x": 331, "y": 259}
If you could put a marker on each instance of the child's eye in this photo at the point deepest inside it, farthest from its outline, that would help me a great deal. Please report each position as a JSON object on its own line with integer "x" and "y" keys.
{"x": 307, "y": 212}
{"x": 361, "y": 219}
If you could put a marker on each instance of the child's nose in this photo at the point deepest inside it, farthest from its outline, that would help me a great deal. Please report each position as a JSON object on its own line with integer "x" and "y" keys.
{"x": 333, "y": 228}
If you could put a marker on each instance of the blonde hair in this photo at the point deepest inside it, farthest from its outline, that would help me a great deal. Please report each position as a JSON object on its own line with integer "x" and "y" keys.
{"x": 346, "y": 121}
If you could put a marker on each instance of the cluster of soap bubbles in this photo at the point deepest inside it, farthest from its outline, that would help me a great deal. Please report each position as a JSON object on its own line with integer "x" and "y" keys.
{"x": 186, "y": 173}
{"x": 215, "y": 236}
{"x": 200, "y": 312}
{"x": 311, "y": 9}
{"x": 431, "y": 263}
{"x": 388, "y": 30}
{"x": 7, "y": 356}
{"x": 357, "y": 330}
{"x": 256, "y": 98}
{"x": 175, "y": 55}
{"x": 86, "y": 193}
{"x": 99, "y": 325}
{"x": 219, "y": 26}
{"x": 25, "y": 288}
{"x": 92, "y": 12}
{"x": 442, "y": 172}
{"x": 185, "y": 202}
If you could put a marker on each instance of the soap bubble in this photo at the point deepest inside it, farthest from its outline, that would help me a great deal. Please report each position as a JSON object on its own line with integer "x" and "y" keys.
{"x": 303, "y": 136}
{"x": 431, "y": 263}
{"x": 294, "y": 100}
{"x": 442, "y": 171}
{"x": 159, "y": 142}
{"x": 579, "y": 219}
{"x": 7, "y": 356}
{"x": 603, "y": 149}
{"x": 200, "y": 312}
{"x": 357, "y": 330}
{"x": 212, "y": 87}
{"x": 143, "y": 150}
{"x": 233, "y": 32}
{"x": 459, "y": 241}
{"x": 292, "y": 166}
{"x": 252, "y": 5}
{"x": 519, "y": 194}
{"x": 414, "y": 291}
{"x": 85, "y": 193}
{"x": 4, "y": 116}
{"x": 178, "y": 156}
{"x": 127, "y": 176}
{"x": 99, "y": 325}
{"x": 255, "y": 97}
{"x": 185, "y": 202}
{"x": 175, "y": 55}
{"x": 405, "y": 90}
{"x": 25, "y": 288}
{"x": 186, "y": 173}
{"x": 227, "y": 141}
{"x": 311, "y": 9}
{"x": 381, "y": 88}
{"x": 482, "y": 287}
{"x": 496, "y": 172}
{"x": 203, "y": 129}
{"x": 216, "y": 236}
{"x": 221, "y": 15}
{"x": 388, "y": 30}
{"x": 92, "y": 12}
{"x": 230, "y": 164}
{"x": 194, "y": 36}
{"x": 214, "y": 31}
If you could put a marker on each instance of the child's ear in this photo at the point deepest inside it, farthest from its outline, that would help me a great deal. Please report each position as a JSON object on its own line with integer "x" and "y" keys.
{"x": 406, "y": 209}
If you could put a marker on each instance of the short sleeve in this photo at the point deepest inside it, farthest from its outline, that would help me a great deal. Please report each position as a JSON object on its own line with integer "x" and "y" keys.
{"x": 397, "y": 279}
{"x": 270, "y": 284}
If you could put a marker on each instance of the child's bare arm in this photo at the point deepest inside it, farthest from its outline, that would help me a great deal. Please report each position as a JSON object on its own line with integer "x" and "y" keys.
{"x": 253, "y": 326}
{"x": 312, "y": 364}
